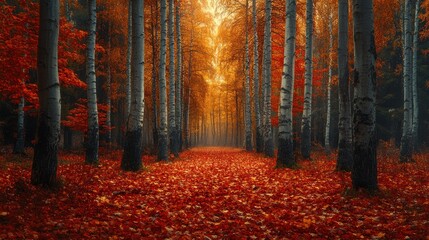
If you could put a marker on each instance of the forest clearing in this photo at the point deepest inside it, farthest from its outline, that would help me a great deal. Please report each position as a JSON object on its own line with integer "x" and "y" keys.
{"x": 214, "y": 193}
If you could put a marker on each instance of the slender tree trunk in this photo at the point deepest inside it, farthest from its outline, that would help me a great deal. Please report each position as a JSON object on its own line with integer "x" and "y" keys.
{"x": 45, "y": 161}
{"x": 256, "y": 96}
{"x": 364, "y": 173}
{"x": 92, "y": 135}
{"x": 129, "y": 46}
{"x": 406, "y": 140}
{"x": 237, "y": 119}
{"x": 247, "y": 108}
{"x": 19, "y": 147}
{"x": 329, "y": 107}
{"x": 131, "y": 159}
{"x": 415, "y": 124}
{"x": 108, "y": 90}
{"x": 163, "y": 127}
{"x": 345, "y": 158}
{"x": 174, "y": 141}
{"x": 179, "y": 77}
{"x": 285, "y": 156}
{"x": 266, "y": 72}
{"x": 188, "y": 131}
{"x": 188, "y": 100}
{"x": 155, "y": 75}
{"x": 306, "y": 116}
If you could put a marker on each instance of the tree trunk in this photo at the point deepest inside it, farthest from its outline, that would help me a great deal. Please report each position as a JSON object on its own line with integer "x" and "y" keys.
{"x": 108, "y": 90}
{"x": 415, "y": 124}
{"x": 247, "y": 110}
{"x": 129, "y": 49}
{"x": 179, "y": 78}
{"x": 406, "y": 140}
{"x": 256, "y": 96}
{"x": 163, "y": 127}
{"x": 266, "y": 72}
{"x": 45, "y": 161}
{"x": 174, "y": 141}
{"x": 364, "y": 173}
{"x": 285, "y": 154}
{"x": 306, "y": 115}
{"x": 329, "y": 107}
{"x": 19, "y": 147}
{"x": 155, "y": 75}
{"x": 92, "y": 135}
{"x": 131, "y": 159}
{"x": 345, "y": 158}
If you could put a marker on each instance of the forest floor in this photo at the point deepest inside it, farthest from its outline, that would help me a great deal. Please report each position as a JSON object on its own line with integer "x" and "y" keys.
{"x": 213, "y": 193}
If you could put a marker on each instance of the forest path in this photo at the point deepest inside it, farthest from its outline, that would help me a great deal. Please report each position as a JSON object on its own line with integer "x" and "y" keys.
{"x": 212, "y": 193}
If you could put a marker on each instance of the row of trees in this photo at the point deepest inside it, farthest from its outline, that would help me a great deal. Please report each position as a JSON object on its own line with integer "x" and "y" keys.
{"x": 361, "y": 121}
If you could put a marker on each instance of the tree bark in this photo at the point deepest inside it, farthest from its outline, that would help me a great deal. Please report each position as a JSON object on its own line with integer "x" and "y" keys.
{"x": 306, "y": 115}
{"x": 329, "y": 107}
{"x": 256, "y": 95}
{"x": 92, "y": 135}
{"x": 364, "y": 173}
{"x": 129, "y": 49}
{"x": 174, "y": 146}
{"x": 131, "y": 158}
{"x": 406, "y": 152}
{"x": 285, "y": 156}
{"x": 163, "y": 127}
{"x": 247, "y": 111}
{"x": 109, "y": 89}
{"x": 268, "y": 136}
{"x": 45, "y": 161}
{"x": 19, "y": 147}
{"x": 345, "y": 158}
{"x": 155, "y": 74}
{"x": 415, "y": 124}
{"x": 179, "y": 77}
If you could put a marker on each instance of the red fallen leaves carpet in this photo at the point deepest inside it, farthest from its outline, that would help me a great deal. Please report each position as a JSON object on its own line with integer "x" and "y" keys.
{"x": 214, "y": 193}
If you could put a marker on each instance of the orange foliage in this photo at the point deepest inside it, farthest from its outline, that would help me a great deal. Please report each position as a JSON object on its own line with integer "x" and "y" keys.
{"x": 215, "y": 193}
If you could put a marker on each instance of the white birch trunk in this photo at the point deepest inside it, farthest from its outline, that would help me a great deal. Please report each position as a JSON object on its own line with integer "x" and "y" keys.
{"x": 163, "y": 127}
{"x": 364, "y": 173}
{"x": 329, "y": 91}
{"x": 174, "y": 143}
{"x": 45, "y": 162}
{"x": 131, "y": 159}
{"x": 256, "y": 95}
{"x": 266, "y": 73}
{"x": 92, "y": 138}
{"x": 247, "y": 111}
{"x": 285, "y": 156}
{"x": 406, "y": 140}
{"x": 306, "y": 115}
{"x": 415, "y": 124}
{"x": 345, "y": 158}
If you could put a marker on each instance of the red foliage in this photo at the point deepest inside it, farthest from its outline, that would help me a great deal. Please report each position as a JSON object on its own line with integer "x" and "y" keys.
{"x": 78, "y": 117}
{"x": 18, "y": 51}
{"x": 218, "y": 194}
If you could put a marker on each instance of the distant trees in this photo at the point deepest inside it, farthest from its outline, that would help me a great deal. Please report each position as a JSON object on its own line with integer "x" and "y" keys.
{"x": 45, "y": 161}
{"x": 131, "y": 159}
